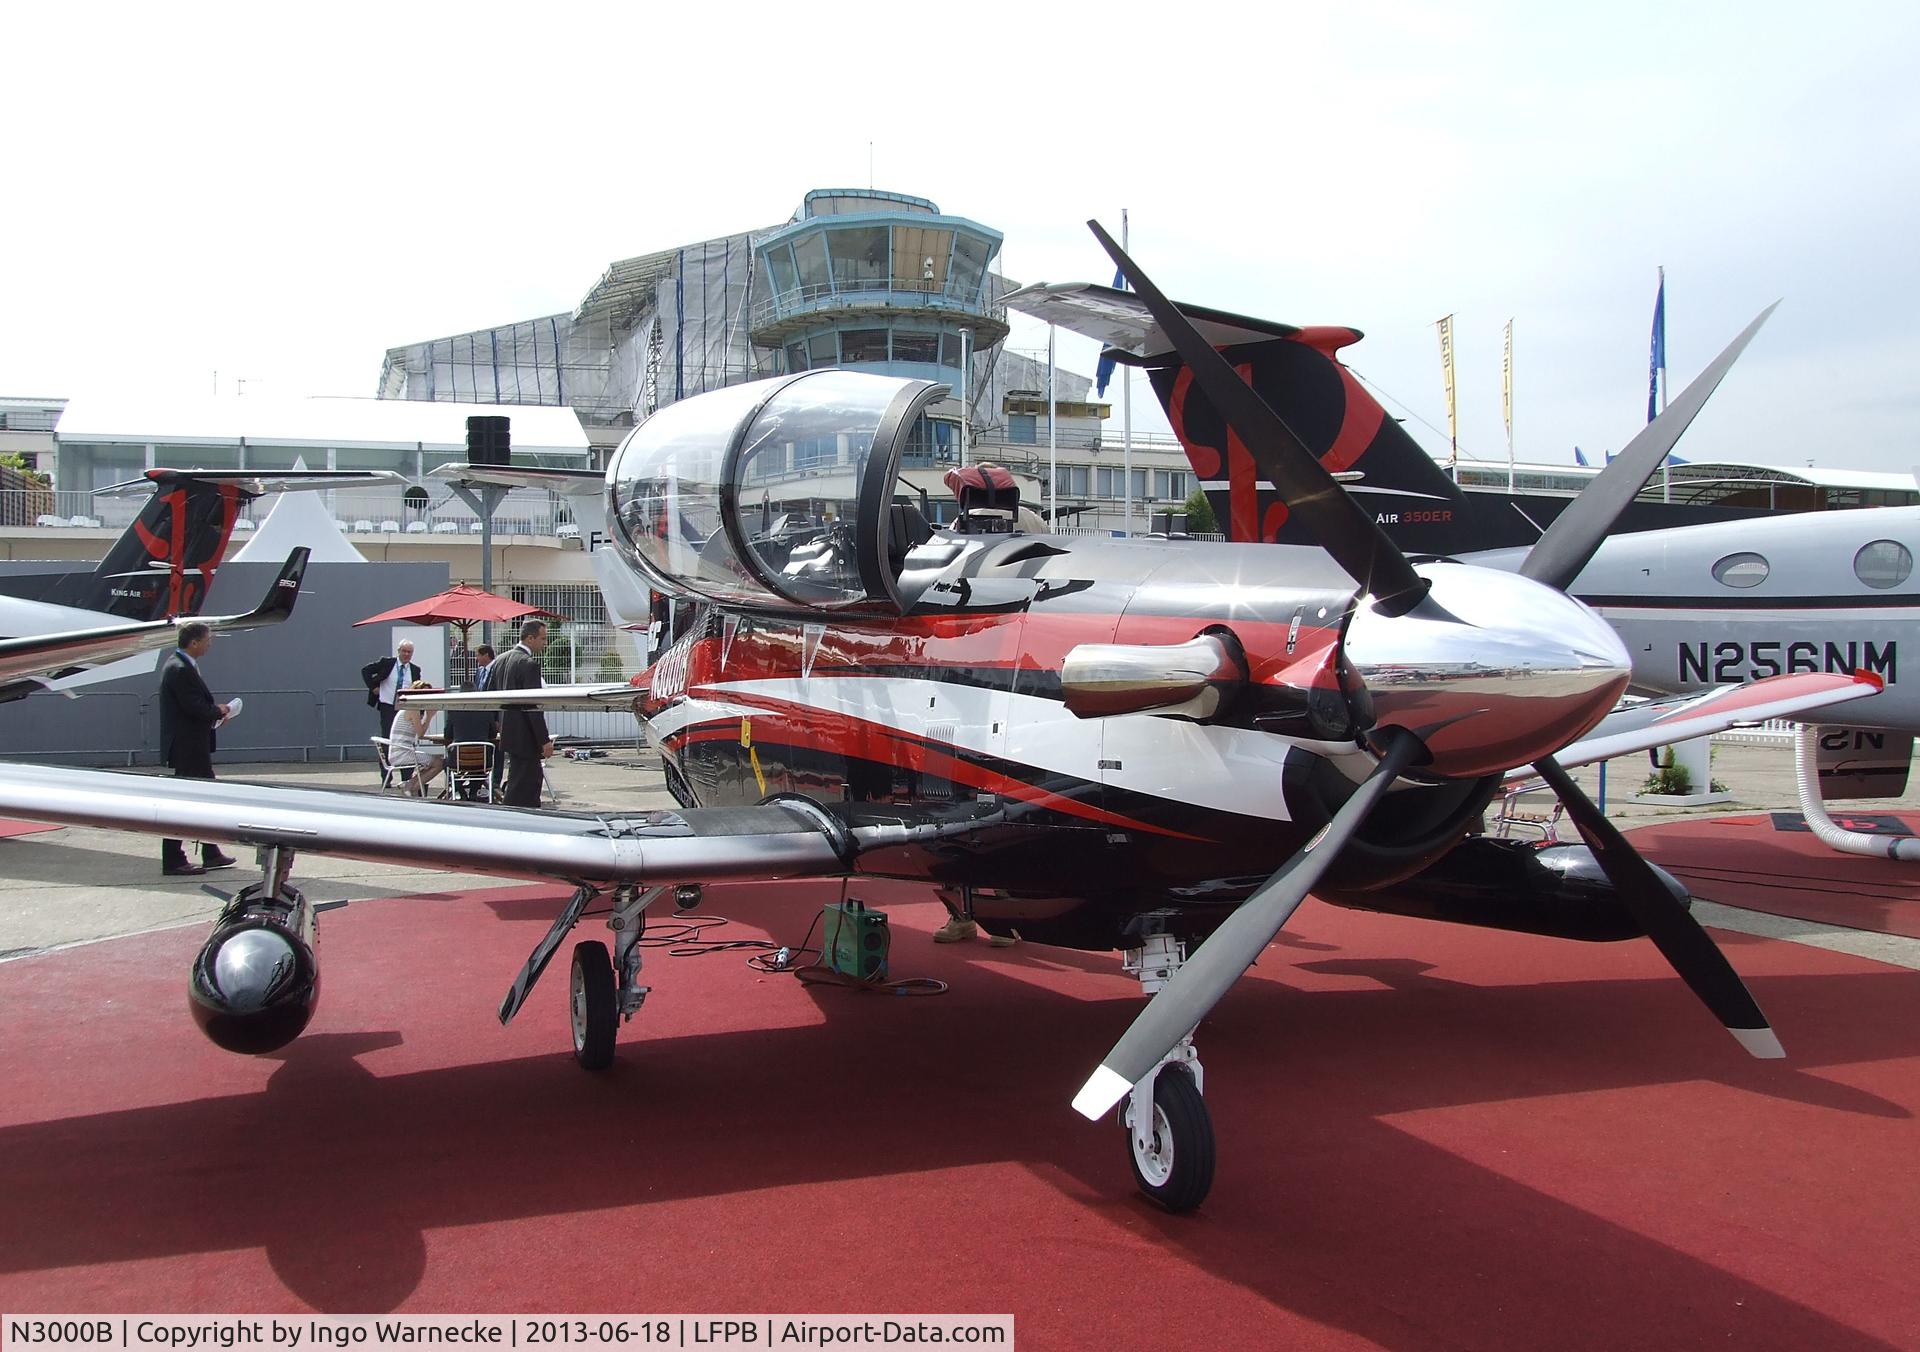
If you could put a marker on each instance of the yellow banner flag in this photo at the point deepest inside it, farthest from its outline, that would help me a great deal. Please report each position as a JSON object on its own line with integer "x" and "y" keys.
{"x": 1445, "y": 325}
{"x": 1506, "y": 387}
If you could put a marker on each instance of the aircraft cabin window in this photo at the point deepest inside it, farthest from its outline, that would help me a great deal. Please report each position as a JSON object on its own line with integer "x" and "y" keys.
{"x": 1741, "y": 570}
{"x": 1883, "y": 564}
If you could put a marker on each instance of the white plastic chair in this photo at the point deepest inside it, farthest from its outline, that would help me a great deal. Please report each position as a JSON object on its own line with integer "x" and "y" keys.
{"x": 48, "y": 519}
{"x": 446, "y": 528}
{"x": 416, "y": 528}
{"x": 363, "y": 526}
{"x": 389, "y": 527}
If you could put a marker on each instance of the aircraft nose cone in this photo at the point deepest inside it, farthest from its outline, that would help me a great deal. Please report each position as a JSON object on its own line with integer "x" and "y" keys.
{"x": 253, "y": 987}
{"x": 1492, "y": 671}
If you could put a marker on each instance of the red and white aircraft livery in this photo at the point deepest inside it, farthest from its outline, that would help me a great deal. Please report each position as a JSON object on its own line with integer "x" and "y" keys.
{"x": 1152, "y": 746}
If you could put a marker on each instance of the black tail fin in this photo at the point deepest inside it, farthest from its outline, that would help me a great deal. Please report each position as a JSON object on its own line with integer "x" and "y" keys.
{"x": 285, "y": 590}
{"x": 164, "y": 563}
{"x": 1302, "y": 379}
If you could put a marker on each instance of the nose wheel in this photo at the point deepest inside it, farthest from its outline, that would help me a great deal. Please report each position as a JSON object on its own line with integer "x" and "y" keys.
{"x": 1170, "y": 1140}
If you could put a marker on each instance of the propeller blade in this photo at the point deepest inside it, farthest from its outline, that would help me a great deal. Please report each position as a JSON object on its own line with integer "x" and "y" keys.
{"x": 1231, "y": 949}
{"x": 1344, "y": 528}
{"x": 1673, "y": 930}
{"x": 1558, "y": 556}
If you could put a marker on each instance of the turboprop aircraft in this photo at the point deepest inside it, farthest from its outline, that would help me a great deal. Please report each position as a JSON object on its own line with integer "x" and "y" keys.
{"x": 1149, "y": 746}
{"x": 1732, "y": 596}
{"x": 60, "y": 630}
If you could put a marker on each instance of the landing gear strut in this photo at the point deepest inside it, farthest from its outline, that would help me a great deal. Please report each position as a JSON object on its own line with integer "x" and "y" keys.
{"x": 604, "y": 989}
{"x": 1169, "y": 1130}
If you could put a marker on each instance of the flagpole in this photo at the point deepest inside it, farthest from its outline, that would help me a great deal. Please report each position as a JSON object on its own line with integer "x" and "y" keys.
{"x": 1660, "y": 376}
{"x": 1053, "y": 440}
{"x": 1126, "y": 410}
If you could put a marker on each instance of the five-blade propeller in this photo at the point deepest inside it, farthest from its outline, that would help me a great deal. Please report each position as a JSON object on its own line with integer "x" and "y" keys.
{"x": 1372, "y": 559}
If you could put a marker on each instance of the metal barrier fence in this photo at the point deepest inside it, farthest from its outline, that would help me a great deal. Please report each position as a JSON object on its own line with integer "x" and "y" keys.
{"x": 359, "y": 511}
{"x": 123, "y": 728}
{"x": 1773, "y": 732}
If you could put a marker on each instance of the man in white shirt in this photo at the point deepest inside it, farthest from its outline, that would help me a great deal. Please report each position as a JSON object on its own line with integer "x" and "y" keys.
{"x": 387, "y": 677}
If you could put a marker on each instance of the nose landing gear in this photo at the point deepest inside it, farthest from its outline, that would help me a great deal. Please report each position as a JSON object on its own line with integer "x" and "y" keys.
{"x": 1169, "y": 1130}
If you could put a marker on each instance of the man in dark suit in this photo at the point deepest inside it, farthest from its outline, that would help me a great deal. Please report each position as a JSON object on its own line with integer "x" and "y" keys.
{"x": 523, "y": 732}
{"x": 188, "y": 716}
{"x": 385, "y": 678}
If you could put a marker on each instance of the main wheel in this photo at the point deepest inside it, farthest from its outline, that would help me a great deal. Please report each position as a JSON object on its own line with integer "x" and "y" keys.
{"x": 596, "y": 1017}
{"x": 1176, "y": 1168}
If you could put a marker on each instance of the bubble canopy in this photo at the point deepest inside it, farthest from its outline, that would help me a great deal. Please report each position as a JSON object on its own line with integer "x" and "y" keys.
{"x": 774, "y": 494}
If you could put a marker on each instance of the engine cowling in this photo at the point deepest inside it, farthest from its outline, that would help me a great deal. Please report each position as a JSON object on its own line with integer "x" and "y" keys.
{"x": 1554, "y": 889}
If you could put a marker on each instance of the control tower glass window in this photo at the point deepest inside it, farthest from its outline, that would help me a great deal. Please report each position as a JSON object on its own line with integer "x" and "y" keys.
{"x": 868, "y": 345}
{"x": 970, "y": 255}
{"x": 780, "y": 265}
{"x": 920, "y": 258}
{"x": 859, "y": 257}
{"x": 810, "y": 252}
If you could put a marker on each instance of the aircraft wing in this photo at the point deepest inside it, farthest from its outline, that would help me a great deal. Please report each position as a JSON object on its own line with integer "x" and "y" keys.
{"x": 256, "y": 484}
{"x": 39, "y": 656}
{"x": 1120, "y": 319}
{"x": 773, "y": 840}
{"x": 586, "y": 695}
{"x": 1664, "y": 722}
{"x": 571, "y": 482}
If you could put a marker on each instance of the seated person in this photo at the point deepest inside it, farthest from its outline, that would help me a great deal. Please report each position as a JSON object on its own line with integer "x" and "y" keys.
{"x": 408, "y": 747}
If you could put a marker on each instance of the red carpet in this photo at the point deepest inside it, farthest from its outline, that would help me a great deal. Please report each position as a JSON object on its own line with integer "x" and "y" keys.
{"x": 9, "y": 827}
{"x": 1745, "y": 861}
{"x": 1431, "y": 1138}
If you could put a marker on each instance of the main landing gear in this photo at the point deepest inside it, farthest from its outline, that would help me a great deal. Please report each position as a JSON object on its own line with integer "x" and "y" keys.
{"x": 1169, "y": 1130}
{"x": 604, "y": 989}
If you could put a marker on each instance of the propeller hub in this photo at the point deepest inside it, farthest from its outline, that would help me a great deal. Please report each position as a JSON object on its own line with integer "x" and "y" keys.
{"x": 1491, "y": 671}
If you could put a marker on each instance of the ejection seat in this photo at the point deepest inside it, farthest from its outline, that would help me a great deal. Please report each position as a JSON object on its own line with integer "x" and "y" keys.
{"x": 988, "y": 497}
{"x": 907, "y": 530}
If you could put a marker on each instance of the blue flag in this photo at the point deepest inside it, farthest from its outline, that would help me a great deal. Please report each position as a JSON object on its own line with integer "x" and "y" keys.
{"x": 1579, "y": 457}
{"x": 1657, "y": 358}
{"x": 1104, "y": 371}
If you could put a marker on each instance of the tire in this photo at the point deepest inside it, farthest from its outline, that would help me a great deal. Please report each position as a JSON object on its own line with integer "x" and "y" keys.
{"x": 591, "y": 1002}
{"x": 1177, "y": 1172}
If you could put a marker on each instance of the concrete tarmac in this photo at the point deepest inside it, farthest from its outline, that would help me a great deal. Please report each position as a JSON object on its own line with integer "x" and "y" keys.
{"x": 76, "y": 884}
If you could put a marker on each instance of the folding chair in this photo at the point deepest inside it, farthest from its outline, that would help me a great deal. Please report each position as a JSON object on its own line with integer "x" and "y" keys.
{"x": 470, "y": 771}
{"x": 391, "y": 776}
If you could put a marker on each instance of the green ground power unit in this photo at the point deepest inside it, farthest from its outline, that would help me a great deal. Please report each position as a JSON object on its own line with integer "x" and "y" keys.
{"x": 854, "y": 940}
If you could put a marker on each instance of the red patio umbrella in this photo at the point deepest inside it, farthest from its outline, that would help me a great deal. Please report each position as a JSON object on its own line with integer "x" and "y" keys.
{"x": 461, "y": 605}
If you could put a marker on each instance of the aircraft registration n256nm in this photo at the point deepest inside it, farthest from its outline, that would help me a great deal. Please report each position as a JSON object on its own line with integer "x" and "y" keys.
{"x": 1155, "y": 747}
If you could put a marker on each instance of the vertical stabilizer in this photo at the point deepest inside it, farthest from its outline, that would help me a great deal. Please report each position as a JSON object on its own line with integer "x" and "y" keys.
{"x": 1301, "y": 378}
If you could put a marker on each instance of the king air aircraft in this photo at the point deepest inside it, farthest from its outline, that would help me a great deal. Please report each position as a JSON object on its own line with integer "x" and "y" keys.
{"x": 1148, "y": 746}
{"x": 65, "y": 630}
{"x": 1697, "y": 606}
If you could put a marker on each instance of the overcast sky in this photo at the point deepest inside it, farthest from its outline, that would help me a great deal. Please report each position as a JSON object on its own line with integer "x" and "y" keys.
{"x": 280, "y": 194}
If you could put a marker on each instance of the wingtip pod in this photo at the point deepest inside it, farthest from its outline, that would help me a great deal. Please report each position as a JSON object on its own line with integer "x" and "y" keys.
{"x": 1102, "y": 1091}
